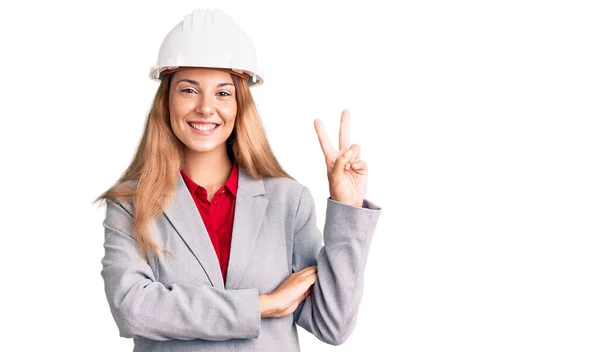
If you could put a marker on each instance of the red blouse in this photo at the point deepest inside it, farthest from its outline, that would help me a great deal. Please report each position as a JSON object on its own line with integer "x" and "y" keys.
{"x": 217, "y": 214}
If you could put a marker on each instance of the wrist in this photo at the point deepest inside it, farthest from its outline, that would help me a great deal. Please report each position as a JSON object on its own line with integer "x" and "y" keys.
{"x": 358, "y": 204}
{"x": 265, "y": 304}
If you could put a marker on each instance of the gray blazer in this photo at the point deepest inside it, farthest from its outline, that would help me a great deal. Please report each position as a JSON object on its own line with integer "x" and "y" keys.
{"x": 179, "y": 302}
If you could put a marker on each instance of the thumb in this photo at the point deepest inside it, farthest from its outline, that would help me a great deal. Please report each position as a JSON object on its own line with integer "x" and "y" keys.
{"x": 341, "y": 161}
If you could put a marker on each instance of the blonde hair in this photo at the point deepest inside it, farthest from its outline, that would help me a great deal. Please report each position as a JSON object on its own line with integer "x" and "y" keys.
{"x": 155, "y": 167}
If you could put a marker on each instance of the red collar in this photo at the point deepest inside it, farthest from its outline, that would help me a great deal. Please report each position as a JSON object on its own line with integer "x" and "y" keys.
{"x": 231, "y": 183}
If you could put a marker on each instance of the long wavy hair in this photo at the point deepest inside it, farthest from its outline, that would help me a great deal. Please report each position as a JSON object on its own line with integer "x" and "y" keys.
{"x": 150, "y": 181}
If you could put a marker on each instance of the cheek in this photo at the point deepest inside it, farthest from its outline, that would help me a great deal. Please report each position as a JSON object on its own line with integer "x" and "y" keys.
{"x": 178, "y": 107}
{"x": 228, "y": 111}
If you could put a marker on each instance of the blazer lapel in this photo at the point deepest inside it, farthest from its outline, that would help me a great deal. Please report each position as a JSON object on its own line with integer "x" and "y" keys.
{"x": 185, "y": 218}
{"x": 250, "y": 210}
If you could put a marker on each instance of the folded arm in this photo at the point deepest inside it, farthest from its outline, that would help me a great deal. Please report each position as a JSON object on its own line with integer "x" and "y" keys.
{"x": 143, "y": 307}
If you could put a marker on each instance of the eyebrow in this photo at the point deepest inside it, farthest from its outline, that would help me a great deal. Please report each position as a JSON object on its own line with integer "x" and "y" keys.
{"x": 197, "y": 84}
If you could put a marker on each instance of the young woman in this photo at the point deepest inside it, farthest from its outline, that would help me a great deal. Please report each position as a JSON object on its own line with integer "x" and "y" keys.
{"x": 209, "y": 244}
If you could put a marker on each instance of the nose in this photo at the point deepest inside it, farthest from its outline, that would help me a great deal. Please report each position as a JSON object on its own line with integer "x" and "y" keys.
{"x": 205, "y": 106}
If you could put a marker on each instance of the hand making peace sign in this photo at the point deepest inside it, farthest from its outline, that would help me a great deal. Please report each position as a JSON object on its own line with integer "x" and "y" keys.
{"x": 347, "y": 174}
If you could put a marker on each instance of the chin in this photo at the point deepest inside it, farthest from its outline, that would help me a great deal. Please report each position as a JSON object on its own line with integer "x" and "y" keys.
{"x": 202, "y": 148}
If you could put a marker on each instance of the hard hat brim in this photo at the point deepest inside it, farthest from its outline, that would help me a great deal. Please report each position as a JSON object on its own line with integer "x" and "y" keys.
{"x": 254, "y": 79}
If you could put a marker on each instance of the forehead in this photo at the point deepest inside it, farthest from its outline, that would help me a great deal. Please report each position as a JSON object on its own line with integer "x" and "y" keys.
{"x": 203, "y": 74}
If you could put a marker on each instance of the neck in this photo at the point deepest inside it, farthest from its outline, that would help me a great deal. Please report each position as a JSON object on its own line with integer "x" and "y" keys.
{"x": 209, "y": 170}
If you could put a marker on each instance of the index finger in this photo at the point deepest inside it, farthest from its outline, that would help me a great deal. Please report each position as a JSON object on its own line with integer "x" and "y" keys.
{"x": 307, "y": 269}
{"x": 311, "y": 270}
{"x": 323, "y": 137}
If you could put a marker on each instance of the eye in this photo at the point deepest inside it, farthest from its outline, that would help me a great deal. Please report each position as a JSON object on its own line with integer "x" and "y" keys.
{"x": 188, "y": 90}
{"x": 224, "y": 94}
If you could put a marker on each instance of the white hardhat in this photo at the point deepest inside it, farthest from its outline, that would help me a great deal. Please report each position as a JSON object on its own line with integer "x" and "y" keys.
{"x": 208, "y": 38}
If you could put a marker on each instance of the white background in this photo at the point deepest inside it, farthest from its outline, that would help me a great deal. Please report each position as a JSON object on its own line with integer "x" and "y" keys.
{"x": 479, "y": 121}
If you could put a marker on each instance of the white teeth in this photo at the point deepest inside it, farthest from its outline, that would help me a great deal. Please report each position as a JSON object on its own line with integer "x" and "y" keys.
{"x": 203, "y": 127}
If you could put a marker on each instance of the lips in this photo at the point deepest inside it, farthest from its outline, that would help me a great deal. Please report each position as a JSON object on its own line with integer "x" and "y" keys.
{"x": 203, "y": 129}
{"x": 203, "y": 122}
{"x": 207, "y": 128}
{"x": 204, "y": 126}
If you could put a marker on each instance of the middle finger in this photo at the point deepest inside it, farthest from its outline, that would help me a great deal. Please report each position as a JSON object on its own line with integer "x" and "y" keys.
{"x": 344, "y": 137}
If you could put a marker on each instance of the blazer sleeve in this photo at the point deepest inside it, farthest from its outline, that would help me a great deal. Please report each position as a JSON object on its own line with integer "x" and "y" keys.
{"x": 330, "y": 311}
{"x": 143, "y": 307}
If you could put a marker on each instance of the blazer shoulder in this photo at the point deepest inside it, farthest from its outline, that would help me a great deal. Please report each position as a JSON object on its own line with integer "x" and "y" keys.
{"x": 285, "y": 187}
{"x": 126, "y": 204}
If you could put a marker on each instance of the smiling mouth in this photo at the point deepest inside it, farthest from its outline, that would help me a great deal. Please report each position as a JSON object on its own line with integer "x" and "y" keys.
{"x": 203, "y": 126}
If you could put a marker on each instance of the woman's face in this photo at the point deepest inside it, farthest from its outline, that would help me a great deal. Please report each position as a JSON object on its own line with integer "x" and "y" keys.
{"x": 202, "y": 108}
